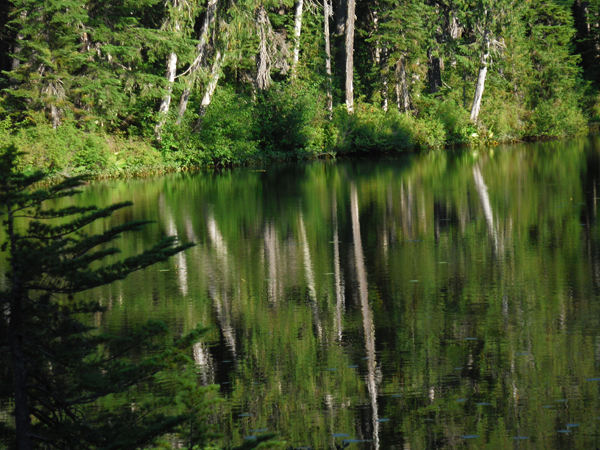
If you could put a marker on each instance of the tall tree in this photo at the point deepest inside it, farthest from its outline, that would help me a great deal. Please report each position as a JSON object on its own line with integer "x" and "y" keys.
{"x": 327, "y": 13}
{"x": 402, "y": 33}
{"x": 192, "y": 72}
{"x": 297, "y": 30}
{"x": 60, "y": 367}
{"x": 488, "y": 18}
{"x": 349, "y": 86}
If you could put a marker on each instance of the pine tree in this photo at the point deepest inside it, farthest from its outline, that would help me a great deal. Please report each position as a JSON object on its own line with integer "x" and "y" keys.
{"x": 61, "y": 368}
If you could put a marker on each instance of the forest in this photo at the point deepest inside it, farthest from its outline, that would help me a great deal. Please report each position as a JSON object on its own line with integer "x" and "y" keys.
{"x": 120, "y": 86}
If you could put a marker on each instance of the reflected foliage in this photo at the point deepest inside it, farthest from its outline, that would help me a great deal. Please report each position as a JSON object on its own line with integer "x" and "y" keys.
{"x": 438, "y": 300}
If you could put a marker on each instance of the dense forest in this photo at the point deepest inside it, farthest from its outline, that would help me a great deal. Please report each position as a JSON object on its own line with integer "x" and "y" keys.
{"x": 122, "y": 85}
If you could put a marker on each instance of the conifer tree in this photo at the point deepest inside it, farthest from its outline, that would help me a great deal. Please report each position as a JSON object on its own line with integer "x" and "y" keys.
{"x": 60, "y": 366}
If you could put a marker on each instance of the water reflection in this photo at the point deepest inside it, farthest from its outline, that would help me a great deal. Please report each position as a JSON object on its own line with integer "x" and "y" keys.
{"x": 434, "y": 301}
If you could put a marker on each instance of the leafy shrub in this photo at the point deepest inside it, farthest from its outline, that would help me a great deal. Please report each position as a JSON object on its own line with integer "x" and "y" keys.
{"x": 371, "y": 129}
{"x": 557, "y": 119}
{"x": 68, "y": 150}
{"x": 225, "y": 135}
{"x": 289, "y": 119}
{"x": 430, "y": 132}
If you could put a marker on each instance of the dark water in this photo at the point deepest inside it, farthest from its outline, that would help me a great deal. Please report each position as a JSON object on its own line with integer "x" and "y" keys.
{"x": 435, "y": 301}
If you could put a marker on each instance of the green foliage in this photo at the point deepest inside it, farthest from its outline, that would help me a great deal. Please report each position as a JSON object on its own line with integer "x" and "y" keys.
{"x": 552, "y": 119}
{"x": 68, "y": 151}
{"x": 86, "y": 74}
{"x": 371, "y": 129}
{"x": 288, "y": 117}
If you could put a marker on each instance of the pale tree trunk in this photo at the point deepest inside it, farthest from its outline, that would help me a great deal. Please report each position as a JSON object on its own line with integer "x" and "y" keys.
{"x": 54, "y": 93}
{"x": 485, "y": 54}
{"x": 297, "y": 31}
{"x": 402, "y": 97}
{"x": 192, "y": 71}
{"x": 384, "y": 79}
{"x": 210, "y": 89}
{"x": 327, "y": 14}
{"x": 377, "y": 50}
{"x": 350, "y": 55}
{"x": 263, "y": 60}
{"x": 163, "y": 111}
{"x": 380, "y": 60}
{"x": 165, "y": 103}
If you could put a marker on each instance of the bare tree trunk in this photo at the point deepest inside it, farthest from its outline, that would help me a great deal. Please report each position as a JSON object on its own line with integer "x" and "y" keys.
{"x": 481, "y": 78}
{"x": 341, "y": 12}
{"x": 402, "y": 96}
{"x": 327, "y": 14}
{"x": 350, "y": 55}
{"x": 377, "y": 49}
{"x": 384, "y": 79}
{"x": 192, "y": 71}
{"x": 297, "y": 31}
{"x": 165, "y": 103}
{"x": 210, "y": 90}
{"x": 163, "y": 111}
{"x": 263, "y": 60}
{"x": 54, "y": 92}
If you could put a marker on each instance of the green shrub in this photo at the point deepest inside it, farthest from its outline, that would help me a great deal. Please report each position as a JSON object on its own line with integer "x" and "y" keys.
{"x": 370, "y": 129}
{"x": 290, "y": 120}
{"x": 225, "y": 135}
{"x": 557, "y": 119}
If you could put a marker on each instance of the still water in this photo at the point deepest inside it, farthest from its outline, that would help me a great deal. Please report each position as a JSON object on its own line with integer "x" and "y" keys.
{"x": 433, "y": 301}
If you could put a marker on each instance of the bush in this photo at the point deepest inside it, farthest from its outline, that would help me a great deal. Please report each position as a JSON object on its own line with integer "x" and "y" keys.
{"x": 557, "y": 119}
{"x": 289, "y": 119}
{"x": 371, "y": 129}
{"x": 227, "y": 133}
{"x": 68, "y": 150}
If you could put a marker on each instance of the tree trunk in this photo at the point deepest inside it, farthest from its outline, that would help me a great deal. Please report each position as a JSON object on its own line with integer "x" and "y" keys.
{"x": 350, "y": 55}
{"x": 192, "y": 71}
{"x": 165, "y": 103}
{"x": 297, "y": 30}
{"x": 15, "y": 343}
{"x": 210, "y": 90}
{"x": 341, "y": 13}
{"x": 402, "y": 96}
{"x": 163, "y": 111}
{"x": 327, "y": 14}
{"x": 434, "y": 72}
{"x": 384, "y": 79}
{"x": 481, "y": 78}
{"x": 263, "y": 60}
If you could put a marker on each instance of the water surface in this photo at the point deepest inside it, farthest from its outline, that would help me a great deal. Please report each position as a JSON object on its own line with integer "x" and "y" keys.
{"x": 433, "y": 301}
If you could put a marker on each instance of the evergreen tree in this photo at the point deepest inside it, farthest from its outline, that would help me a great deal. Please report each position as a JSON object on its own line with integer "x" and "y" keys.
{"x": 61, "y": 367}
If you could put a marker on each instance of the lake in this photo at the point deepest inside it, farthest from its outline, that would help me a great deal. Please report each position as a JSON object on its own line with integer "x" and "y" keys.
{"x": 441, "y": 300}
